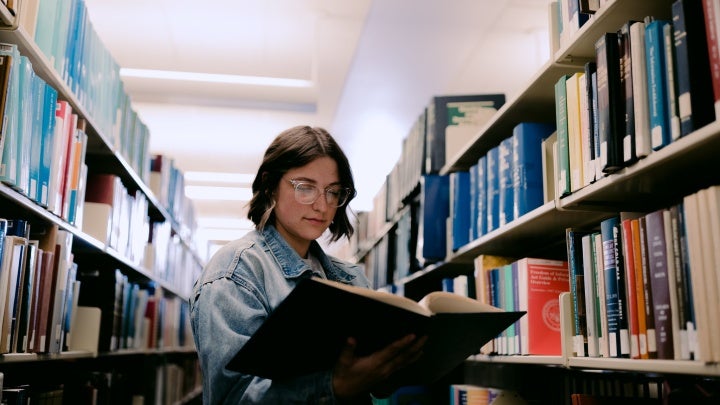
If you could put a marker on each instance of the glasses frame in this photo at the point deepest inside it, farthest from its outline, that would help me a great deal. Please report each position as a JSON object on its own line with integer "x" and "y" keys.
{"x": 296, "y": 183}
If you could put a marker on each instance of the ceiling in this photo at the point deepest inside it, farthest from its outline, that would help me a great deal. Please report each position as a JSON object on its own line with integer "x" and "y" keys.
{"x": 366, "y": 69}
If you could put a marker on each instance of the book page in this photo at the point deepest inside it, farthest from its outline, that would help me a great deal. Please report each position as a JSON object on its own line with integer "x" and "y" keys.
{"x": 447, "y": 302}
{"x": 392, "y": 299}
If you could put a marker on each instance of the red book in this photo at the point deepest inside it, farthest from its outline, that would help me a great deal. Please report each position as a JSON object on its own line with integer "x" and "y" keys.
{"x": 100, "y": 188}
{"x": 629, "y": 253}
{"x": 540, "y": 283}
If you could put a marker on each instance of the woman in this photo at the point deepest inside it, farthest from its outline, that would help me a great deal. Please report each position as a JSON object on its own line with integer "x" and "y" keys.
{"x": 301, "y": 190}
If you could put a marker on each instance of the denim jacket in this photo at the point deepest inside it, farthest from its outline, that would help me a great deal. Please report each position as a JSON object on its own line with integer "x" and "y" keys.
{"x": 239, "y": 287}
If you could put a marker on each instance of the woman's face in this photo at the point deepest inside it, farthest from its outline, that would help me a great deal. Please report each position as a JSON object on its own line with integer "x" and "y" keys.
{"x": 300, "y": 223}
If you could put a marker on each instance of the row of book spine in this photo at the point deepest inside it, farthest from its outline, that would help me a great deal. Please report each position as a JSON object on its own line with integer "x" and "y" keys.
{"x": 42, "y": 142}
{"x": 69, "y": 43}
{"x": 532, "y": 285}
{"x": 451, "y": 211}
{"x": 649, "y": 85}
{"x": 36, "y": 287}
{"x": 439, "y": 132}
{"x": 167, "y": 382}
{"x": 644, "y": 284}
{"x": 42, "y": 285}
{"x": 43, "y": 149}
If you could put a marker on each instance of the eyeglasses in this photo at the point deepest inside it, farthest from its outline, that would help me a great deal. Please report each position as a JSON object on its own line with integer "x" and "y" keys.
{"x": 308, "y": 193}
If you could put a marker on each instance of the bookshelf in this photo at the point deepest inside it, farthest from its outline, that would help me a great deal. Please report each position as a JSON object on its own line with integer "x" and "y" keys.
{"x": 662, "y": 178}
{"x": 164, "y": 367}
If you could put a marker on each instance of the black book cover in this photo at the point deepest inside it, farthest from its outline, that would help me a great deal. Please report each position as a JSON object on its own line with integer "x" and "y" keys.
{"x": 320, "y": 317}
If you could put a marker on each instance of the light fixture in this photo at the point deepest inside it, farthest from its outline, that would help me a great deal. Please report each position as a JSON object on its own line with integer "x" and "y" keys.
{"x": 214, "y": 78}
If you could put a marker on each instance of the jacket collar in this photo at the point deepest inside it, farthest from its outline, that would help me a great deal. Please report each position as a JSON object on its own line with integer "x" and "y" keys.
{"x": 292, "y": 265}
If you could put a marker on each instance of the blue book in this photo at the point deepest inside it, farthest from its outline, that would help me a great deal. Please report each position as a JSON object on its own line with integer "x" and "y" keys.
{"x": 8, "y": 165}
{"x": 435, "y": 211}
{"x": 493, "y": 190}
{"x": 473, "y": 201}
{"x": 614, "y": 270}
{"x": 694, "y": 81}
{"x": 573, "y": 240}
{"x": 447, "y": 284}
{"x": 482, "y": 228}
{"x": 48, "y": 140}
{"x": 527, "y": 175}
{"x": 38, "y": 90}
{"x": 657, "y": 84}
{"x": 27, "y": 105}
{"x": 505, "y": 181}
{"x": 460, "y": 184}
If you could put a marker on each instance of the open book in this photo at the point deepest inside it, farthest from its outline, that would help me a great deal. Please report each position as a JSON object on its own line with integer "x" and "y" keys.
{"x": 307, "y": 331}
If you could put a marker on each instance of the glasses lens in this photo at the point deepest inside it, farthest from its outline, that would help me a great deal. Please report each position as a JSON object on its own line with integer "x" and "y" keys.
{"x": 305, "y": 193}
{"x": 337, "y": 197}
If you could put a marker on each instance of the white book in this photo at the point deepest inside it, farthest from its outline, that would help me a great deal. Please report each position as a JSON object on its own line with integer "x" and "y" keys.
{"x": 590, "y": 291}
{"x": 640, "y": 91}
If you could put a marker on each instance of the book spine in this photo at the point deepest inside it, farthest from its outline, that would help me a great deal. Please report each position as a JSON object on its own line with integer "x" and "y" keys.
{"x": 640, "y": 91}
{"x": 671, "y": 79}
{"x": 575, "y": 155}
{"x": 505, "y": 182}
{"x": 482, "y": 196}
{"x": 647, "y": 290}
{"x": 685, "y": 273}
{"x": 473, "y": 213}
{"x": 657, "y": 84}
{"x": 493, "y": 189}
{"x": 590, "y": 302}
{"x": 630, "y": 287}
{"x": 608, "y": 230}
{"x": 561, "y": 123}
{"x": 609, "y": 101}
{"x": 639, "y": 286}
{"x": 657, "y": 259}
{"x": 626, "y": 89}
{"x": 577, "y": 290}
{"x": 591, "y": 151}
{"x": 680, "y": 310}
{"x": 460, "y": 209}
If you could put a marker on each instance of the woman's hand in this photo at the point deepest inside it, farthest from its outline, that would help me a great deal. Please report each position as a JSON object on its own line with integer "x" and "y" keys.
{"x": 354, "y": 375}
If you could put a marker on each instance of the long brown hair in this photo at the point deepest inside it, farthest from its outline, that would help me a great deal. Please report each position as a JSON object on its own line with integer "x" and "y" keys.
{"x": 296, "y": 147}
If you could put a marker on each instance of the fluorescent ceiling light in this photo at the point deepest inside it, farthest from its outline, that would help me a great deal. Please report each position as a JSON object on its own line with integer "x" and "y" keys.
{"x": 214, "y": 78}
{"x": 218, "y": 193}
{"x": 219, "y": 177}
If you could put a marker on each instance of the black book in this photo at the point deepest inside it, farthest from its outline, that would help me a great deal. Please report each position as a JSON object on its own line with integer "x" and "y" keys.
{"x": 320, "y": 315}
